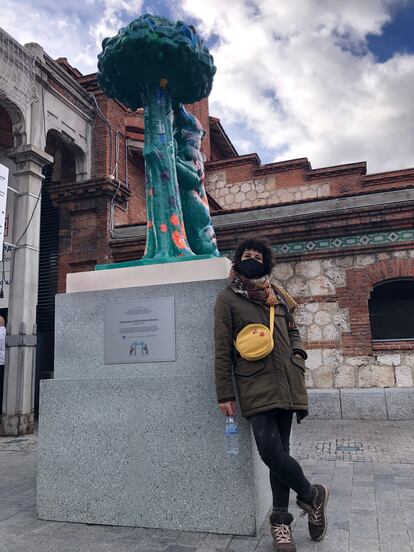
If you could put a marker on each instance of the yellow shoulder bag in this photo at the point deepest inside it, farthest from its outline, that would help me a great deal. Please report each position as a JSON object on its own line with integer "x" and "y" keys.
{"x": 255, "y": 341}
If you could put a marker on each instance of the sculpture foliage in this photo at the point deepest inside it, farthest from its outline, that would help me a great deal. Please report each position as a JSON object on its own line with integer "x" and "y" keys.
{"x": 156, "y": 63}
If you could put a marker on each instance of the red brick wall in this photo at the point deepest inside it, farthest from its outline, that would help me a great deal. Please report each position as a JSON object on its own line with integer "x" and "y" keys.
{"x": 136, "y": 213}
{"x": 115, "y": 114}
{"x": 100, "y": 142}
{"x": 215, "y": 153}
{"x": 295, "y": 177}
{"x": 201, "y": 111}
{"x": 102, "y": 154}
{"x": 83, "y": 237}
{"x": 355, "y": 296}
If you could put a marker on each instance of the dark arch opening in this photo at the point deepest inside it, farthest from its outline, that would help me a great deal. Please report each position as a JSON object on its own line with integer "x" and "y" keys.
{"x": 61, "y": 170}
{"x": 391, "y": 310}
{"x": 6, "y": 129}
{"x": 64, "y": 163}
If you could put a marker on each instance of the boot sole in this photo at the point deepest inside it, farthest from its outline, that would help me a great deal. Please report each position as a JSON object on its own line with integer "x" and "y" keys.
{"x": 327, "y": 492}
{"x": 277, "y": 549}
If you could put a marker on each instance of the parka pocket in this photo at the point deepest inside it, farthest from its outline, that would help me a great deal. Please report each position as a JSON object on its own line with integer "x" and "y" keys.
{"x": 256, "y": 384}
{"x": 248, "y": 368}
{"x": 296, "y": 377}
{"x": 298, "y": 361}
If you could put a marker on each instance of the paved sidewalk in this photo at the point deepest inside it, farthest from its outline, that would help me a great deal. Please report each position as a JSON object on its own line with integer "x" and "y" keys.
{"x": 368, "y": 465}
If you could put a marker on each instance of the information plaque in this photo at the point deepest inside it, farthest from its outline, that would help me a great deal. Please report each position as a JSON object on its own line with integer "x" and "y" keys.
{"x": 140, "y": 331}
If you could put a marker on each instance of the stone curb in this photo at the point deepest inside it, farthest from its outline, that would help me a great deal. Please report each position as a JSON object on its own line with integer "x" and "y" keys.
{"x": 362, "y": 404}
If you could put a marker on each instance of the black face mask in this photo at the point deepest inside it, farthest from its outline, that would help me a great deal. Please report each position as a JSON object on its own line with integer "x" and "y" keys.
{"x": 251, "y": 268}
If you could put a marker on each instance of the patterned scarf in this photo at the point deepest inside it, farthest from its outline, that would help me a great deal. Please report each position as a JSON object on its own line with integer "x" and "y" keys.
{"x": 260, "y": 290}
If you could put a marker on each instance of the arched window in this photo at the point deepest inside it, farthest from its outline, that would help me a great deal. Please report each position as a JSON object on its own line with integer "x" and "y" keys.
{"x": 391, "y": 310}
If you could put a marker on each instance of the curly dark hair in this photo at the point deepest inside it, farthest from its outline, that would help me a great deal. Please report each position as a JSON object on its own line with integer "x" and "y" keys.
{"x": 262, "y": 246}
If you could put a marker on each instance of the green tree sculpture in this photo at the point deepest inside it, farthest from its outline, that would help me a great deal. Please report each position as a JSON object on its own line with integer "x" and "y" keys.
{"x": 151, "y": 63}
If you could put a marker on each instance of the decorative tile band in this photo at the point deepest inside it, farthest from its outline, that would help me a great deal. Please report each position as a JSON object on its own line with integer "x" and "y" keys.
{"x": 323, "y": 244}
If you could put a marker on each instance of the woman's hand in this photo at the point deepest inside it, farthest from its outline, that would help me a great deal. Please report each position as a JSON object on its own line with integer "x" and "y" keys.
{"x": 228, "y": 408}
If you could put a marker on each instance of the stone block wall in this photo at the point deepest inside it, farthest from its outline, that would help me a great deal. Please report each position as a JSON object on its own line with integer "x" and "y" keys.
{"x": 324, "y": 289}
{"x": 260, "y": 191}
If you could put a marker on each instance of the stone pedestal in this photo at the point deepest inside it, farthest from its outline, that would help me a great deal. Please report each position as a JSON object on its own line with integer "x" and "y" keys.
{"x": 144, "y": 444}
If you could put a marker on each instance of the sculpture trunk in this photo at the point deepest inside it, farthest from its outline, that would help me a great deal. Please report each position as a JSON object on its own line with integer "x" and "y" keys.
{"x": 166, "y": 235}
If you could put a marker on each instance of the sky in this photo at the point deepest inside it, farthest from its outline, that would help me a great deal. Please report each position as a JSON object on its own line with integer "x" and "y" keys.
{"x": 330, "y": 80}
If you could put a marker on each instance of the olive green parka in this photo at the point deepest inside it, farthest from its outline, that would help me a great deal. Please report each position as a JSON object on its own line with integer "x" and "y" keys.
{"x": 278, "y": 380}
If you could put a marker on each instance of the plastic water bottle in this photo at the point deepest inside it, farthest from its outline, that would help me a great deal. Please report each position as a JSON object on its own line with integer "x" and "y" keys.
{"x": 232, "y": 439}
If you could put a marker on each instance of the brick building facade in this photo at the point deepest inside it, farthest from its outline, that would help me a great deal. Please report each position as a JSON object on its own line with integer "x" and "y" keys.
{"x": 338, "y": 234}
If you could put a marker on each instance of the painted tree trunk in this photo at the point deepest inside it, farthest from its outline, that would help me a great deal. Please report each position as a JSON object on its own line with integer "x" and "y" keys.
{"x": 166, "y": 235}
{"x": 189, "y": 163}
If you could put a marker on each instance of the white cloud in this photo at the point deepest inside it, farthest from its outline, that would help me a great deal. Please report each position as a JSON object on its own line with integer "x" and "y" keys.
{"x": 70, "y": 29}
{"x": 110, "y": 21}
{"x": 329, "y": 105}
{"x": 243, "y": 145}
{"x": 60, "y": 36}
{"x": 287, "y": 71}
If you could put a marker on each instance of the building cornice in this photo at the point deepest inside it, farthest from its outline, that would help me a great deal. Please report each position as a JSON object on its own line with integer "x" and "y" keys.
{"x": 90, "y": 83}
{"x": 338, "y": 170}
{"x": 30, "y": 153}
{"x": 387, "y": 178}
{"x": 63, "y": 192}
{"x": 215, "y": 124}
{"x": 289, "y": 165}
{"x": 56, "y": 73}
{"x": 249, "y": 159}
{"x": 283, "y": 166}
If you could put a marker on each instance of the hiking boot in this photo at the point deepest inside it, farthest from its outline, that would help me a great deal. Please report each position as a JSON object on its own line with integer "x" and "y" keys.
{"x": 282, "y": 532}
{"x": 317, "y": 522}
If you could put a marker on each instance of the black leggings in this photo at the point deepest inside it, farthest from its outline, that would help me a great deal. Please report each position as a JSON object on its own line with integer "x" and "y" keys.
{"x": 272, "y": 432}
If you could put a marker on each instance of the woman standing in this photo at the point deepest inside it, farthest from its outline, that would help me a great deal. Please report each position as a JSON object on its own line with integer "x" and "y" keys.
{"x": 270, "y": 390}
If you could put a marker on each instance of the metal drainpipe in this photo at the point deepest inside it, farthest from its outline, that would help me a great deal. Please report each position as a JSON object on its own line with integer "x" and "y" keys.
{"x": 112, "y": 232}
{"x": 34, "y": 370}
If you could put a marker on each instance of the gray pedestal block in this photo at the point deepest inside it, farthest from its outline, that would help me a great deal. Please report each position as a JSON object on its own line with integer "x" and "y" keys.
{"x": 80, "y": 335}
{"x": 143, "y": 444}
{"x": 144, "y": 452}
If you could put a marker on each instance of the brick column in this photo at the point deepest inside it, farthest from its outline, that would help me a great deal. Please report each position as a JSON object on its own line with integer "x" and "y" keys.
{"x": 84, "y": 232}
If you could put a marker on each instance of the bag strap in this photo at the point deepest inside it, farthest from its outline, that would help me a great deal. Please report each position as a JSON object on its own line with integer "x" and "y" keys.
{"x": 272, "y": 318}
